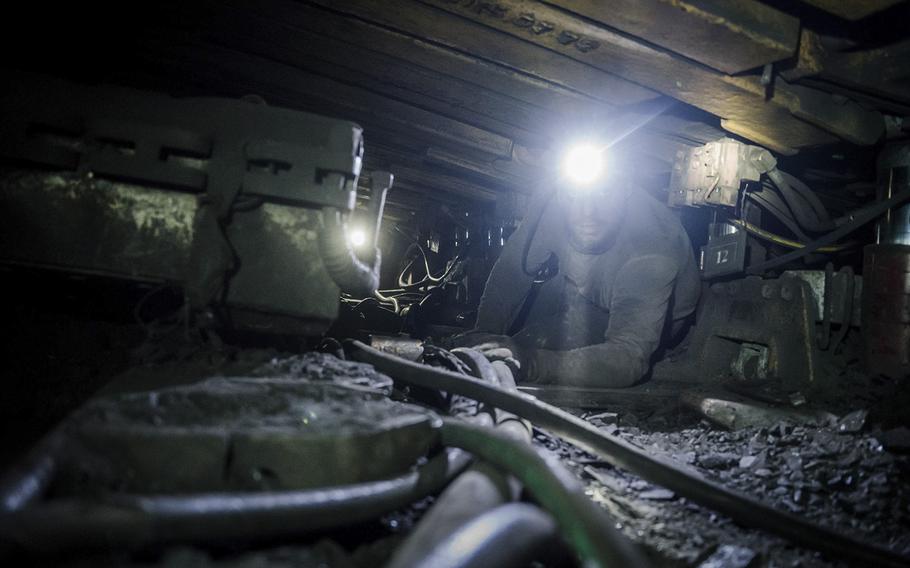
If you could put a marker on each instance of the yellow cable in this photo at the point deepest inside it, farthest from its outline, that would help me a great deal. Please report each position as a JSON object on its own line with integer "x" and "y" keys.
{"x": 783, "y": 241}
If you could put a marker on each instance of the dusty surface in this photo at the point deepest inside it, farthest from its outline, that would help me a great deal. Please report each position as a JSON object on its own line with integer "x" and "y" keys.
{"x": 301, "y": 422}
{"x": 850, "y": 474}
{"x": 841, "y": 475}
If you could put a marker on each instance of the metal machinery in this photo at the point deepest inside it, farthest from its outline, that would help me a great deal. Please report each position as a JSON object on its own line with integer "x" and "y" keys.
{"x": 210, "y": 444}
{"x": 241, "y": 204}
{"x": 886, "y": 269}
{"x": 758, "y": 327}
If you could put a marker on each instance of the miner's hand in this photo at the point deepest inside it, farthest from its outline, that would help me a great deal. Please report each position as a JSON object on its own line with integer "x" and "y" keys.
{"x": 472, "y": 338}
{"x": 496, "y": 348}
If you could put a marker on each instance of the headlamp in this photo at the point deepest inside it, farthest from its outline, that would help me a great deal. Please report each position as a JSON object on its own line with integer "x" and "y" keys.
{"x": 583, "y": 165}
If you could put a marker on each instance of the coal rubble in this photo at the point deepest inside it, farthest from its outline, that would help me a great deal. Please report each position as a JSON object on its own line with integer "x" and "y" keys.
{"x": 842, "y": 475}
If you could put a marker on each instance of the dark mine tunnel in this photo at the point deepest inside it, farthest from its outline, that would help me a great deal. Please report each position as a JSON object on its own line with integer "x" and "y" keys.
{"x": 455, "y": 283}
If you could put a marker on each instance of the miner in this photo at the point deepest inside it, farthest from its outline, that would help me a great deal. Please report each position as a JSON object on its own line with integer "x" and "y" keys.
{"x": 598, "y": 277}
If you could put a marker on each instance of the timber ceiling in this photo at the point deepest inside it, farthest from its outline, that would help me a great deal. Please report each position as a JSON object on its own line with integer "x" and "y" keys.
{"x": 462, "y": 99}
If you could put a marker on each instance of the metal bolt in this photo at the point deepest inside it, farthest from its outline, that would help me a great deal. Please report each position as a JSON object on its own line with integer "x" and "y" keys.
{"x": 786, "y": 292}
{"x": 767, "y": 291}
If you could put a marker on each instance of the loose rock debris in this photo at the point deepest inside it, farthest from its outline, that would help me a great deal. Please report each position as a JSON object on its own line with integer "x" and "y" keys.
{"x": 837, "y": 475}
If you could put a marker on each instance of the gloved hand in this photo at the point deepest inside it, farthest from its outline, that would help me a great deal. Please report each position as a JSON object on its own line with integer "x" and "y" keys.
{"x": 498, "y": 348}
{"x": 471, "y": 338}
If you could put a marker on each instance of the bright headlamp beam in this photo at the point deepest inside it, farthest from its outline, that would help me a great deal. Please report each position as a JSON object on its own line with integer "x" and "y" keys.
{"x": 583, "y": 165}
{"x": 357, "y": 237}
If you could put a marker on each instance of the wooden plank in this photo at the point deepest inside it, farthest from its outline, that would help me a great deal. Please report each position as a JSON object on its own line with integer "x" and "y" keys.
{"x": 729, "y": 36}
{"x": 467, "y": 37}
{"x": 852, "y": 9}
{"x": 476, "y": 72}
{"x": 479, "y": 74}
{"x": 739, "y": 101}
{"x": 378, "y": 73}
{"x": 234, "y": 69}
{"x": 413, "y": 175}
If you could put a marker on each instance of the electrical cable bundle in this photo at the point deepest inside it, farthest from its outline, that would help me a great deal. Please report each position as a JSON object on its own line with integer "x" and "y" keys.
{"x": 796, "y": 207}
{"x": 409, "y": 293}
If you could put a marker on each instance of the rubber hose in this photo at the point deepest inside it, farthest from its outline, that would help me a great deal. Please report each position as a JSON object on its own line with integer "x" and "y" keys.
{"x": 584, "y": 525}
{"x": 857, "y": 219}
{"x": 482, "y": 369}
{"x": 509, "y": 536}
{"x": 348, "y": 272}
{"x": 480, "y": 489}
{"x": 810, "y": 196}
{"x": 800, "y": 205}
{"x": 138, "y": 521}
{"x": 738, "y": 506}
{"x": 772, "y": 204}
{"x": 779, "y": 240}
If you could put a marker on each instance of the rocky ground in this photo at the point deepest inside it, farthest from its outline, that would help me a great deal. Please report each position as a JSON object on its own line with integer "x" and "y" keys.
{"x": 834, "y": 475}
{"x": 849, "y": 473}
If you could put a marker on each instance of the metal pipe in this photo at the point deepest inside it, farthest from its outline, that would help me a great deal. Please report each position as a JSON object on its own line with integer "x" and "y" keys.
{"x": 139, "y": 521}
{"x": 511, "y": 535}
{"x": 893, "y": 168}
{"x": 738, "y": 506}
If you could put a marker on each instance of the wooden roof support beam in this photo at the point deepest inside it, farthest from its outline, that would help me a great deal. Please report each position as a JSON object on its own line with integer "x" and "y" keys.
{"x": 375, "y": 71}
{"x": 361, "y": 24}
{"x": 741, "y": 102}
{"x": 236, "y": 68}
{"x": 729, "y": 36}
{"x": 852, "y": 9}
{"x": 426, "y": 23}
{"x": 880, "y": 72}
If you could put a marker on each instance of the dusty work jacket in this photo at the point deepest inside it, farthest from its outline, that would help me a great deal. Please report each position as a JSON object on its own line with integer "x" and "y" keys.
{"x": 600, "y": 320}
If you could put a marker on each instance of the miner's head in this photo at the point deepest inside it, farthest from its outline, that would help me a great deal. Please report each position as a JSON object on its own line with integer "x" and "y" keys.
{"x": 593, "y": 215}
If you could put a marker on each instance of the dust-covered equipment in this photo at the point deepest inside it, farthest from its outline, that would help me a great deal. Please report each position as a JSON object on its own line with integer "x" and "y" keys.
{"x": 241, "y": 204}
{"x": 750, "y": 329}
{"x": 713, "y": 174}
{"x": 744, "y": 186}
{"x": 755, "y": 329}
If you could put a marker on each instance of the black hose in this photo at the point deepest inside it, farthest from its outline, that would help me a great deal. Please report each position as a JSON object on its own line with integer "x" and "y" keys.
{"x": 857, "y": 220}
{"x": 810, "y": 196}
{"x": 511, "y": 535}
{"x": 739, "y": 507}
{"x": 800, "y": 204}
{"x": 584, "y": 525}
{"x": 478, "y": 490}
{"x": 771, "y": 203}
{"x": 139, "y": 521}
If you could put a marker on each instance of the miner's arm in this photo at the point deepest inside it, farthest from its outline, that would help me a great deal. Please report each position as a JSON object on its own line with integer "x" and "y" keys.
{"x": 638, "y": 309}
